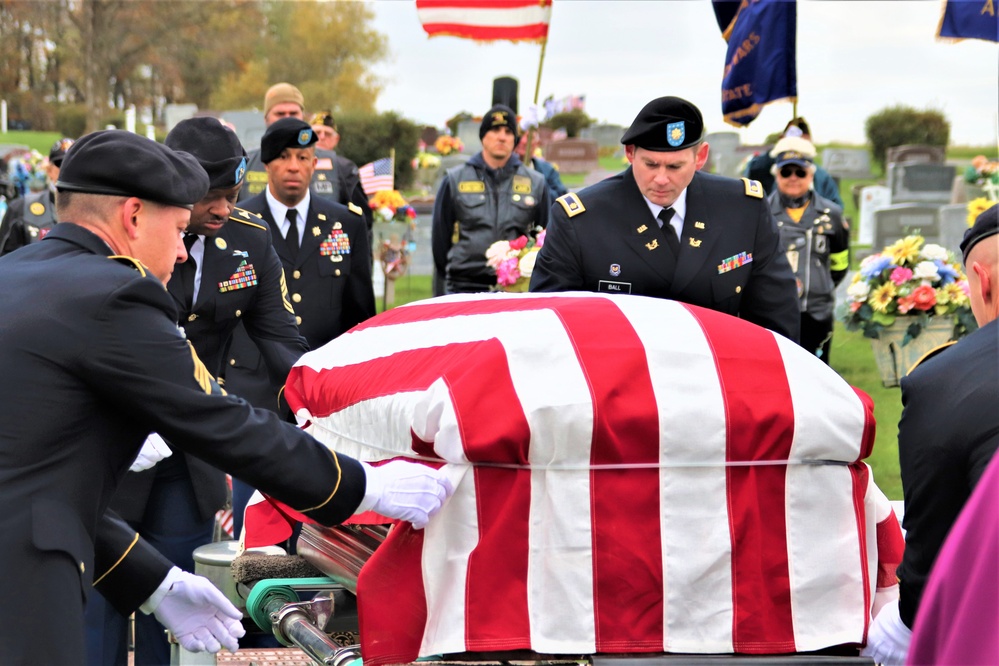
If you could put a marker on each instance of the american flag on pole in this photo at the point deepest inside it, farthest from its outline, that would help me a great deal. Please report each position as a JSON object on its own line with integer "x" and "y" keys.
{"x": 631, "y": 475}
{"x": 486, "y": 20}
{"x": 377, "y": 175}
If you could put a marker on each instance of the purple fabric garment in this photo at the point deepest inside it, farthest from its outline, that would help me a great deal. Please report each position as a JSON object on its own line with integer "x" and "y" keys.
{"x": 958, "y": 618}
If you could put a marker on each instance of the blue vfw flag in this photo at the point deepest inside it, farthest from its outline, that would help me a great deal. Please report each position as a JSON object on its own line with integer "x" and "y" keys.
{"x": 760, "y": 62}
{"x": 969, "y": 19}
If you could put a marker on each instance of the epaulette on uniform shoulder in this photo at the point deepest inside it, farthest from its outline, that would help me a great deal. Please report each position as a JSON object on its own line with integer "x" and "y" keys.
{"x": 354, "y": 208}
{"x": 571, "y": 203}
{"x": 931, "y": 353}
{"x": 131, "y": 262}
{"x": 248, "y": 218}
{"x": 753, "y": 188}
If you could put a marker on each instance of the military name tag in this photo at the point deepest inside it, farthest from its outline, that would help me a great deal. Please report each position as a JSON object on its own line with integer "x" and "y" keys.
{"x": 611, "y": 287}
{"x": 521, "y": 184}
{"x": 471, "y": 186}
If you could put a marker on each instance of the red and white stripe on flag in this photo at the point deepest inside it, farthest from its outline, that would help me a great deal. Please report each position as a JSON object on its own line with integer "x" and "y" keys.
{"x": 486, "y": 20}
{"x": 631, "y": 475}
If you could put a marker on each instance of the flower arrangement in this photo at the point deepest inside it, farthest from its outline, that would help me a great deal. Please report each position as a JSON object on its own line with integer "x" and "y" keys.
{"x": 446, "y": 145}
{"x": 978, "y": 206}
{"x": 911, "y": 280}
{"x": 389, "y": 206}
{"x": 982, "y": 171}
{"x": 514, "y": 261}
{"x": 424, "y": 160}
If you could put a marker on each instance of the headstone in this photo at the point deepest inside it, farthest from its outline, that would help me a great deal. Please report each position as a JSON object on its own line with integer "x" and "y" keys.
{"x": 723, "y": 156}
{"x": 853, "y": 163}
{"x": 920, "y": 182}
{"x": 249, "y": 126}
{"x": 428, "y": 135}
{"x": 574, "y": 155}
{"x": 744, "y": 153}
{"x": 901, "y": 220}
{"x": 920, "y": 154}
{"x": 606, "y": 136}
{"x": 872, "y": 199}
{"x": 174, "y": 113}
{"x": 953, "y": 224}
{"x": 468, "y": 132}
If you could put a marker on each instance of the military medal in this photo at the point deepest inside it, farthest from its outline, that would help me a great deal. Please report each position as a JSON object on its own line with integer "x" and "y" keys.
{"x": 245, "y": 276}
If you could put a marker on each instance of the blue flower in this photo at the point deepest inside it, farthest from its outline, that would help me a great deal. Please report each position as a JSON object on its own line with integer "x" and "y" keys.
{"x": 946, "y": 272}
{"x": 872, "y": 266}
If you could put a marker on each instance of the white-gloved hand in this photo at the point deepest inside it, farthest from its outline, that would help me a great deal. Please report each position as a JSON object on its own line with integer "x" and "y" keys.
{"x": 153, "y": 450}
{"x": 196, "y": 613}
{"x": 405, "y": 490}
{"x": 888, "y": 638}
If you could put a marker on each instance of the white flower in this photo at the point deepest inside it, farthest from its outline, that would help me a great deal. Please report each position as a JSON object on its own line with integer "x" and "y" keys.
{"x": 858, "y": 291}
{"x": 526, "y": 266}
{"x": 926, "y": 270}
{"x": 933, "y": 251}
{"x": 497, "y": 252}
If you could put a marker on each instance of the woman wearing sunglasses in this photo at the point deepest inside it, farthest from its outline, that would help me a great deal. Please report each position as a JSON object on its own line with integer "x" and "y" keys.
{"x": 815, "y": 238}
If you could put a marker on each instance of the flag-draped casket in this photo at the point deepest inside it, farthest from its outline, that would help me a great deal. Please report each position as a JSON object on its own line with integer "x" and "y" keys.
{"x": 631, "y": 475}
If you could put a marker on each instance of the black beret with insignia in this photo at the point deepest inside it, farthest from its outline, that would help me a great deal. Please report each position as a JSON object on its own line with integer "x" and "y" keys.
{"x": 58, "y": 151}
{"x": 285, "y": 133}
{"x": 664, "y": 125}
{"x": 499, "y": 116}
{"x": 216, "y": 146}
{"x": 986, "y": 224}
{"x": 120, "y": 163}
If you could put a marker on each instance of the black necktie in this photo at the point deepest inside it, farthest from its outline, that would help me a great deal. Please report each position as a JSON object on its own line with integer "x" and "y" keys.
{"x": 665, "y": 215}
{"x": 188, "y": 270}
{"x": 291, "y": 238}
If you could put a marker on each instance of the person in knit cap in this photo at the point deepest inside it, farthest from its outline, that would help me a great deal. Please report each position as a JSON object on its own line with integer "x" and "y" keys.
{"x": 494, "y": 196}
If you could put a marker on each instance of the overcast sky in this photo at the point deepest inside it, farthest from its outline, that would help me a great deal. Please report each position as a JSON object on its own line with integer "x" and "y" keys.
{"x": 854, "y": 59}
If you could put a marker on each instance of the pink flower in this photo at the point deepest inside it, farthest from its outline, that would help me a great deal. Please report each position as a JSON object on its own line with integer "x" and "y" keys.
{"x": 924, "y": 297}
{"x": 901, "y": 275}
{"x": 906, "y": 303}
{"x": 411, "y": 212}
{"x": 507, "y": 272}
{"x": 518, "y": 243}
{"x": 541, "y": 238}
{"x": 855, "y": 306}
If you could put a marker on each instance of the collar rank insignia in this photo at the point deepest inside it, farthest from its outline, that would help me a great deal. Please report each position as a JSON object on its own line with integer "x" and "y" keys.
{"x": 698, "y": 225}
{"x": 653, "y": 245}
{"x": 316, "y": 231}
{"x": 642, "y": 229}
{"x": 322, "y": 216}
{"x": 335, "y": 246}
{"x": 694, "y": 242}
{"x": 245, "y": 276}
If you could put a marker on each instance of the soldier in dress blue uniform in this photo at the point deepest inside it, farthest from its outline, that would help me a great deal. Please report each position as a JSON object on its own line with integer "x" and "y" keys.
{"x": 662, "y": 228}
{"x": 815, "y": 237}
{"x": 30, "y": 217}
{"x": 232, "y": 275}
{"x": 93, "y": 362}
{"x": 325, "y": 256}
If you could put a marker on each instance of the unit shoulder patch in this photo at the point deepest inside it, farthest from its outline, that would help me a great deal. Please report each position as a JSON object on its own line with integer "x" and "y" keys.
{"x": 249, "y": 219}
{"x": 131, "y": 262}
{"x": 572, "y": 205}
{"x": 753, "y": 188}
{"x": 354, "y": 208}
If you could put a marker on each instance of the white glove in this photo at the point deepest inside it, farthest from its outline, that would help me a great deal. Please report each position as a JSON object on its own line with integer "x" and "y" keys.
{"x": 888, "y": 638}
{"x": 405, "y": 490}
{"x": 196, "y": 613}
{"x": 153, "y": 450}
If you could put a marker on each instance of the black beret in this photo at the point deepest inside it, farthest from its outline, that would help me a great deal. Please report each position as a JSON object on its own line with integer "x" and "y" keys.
{"x": 121, "y": 163}
{"x": 986, "y": 224}
{"x": 58, "y": 152}
{"x": 664, "y": 125}
{"x": 285, "y": 133}
{"x": 215, "y": 146}
{"x": 499, "y": 116}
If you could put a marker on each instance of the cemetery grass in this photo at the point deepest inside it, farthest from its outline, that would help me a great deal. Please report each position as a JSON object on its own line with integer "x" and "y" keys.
{"x": 852, "y": 358}
{"x": 40, "y": 141}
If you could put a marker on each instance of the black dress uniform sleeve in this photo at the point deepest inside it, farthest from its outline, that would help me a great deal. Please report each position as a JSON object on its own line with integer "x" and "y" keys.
{"x": 12, "y": 227}
{"x": 770, "y": 298}
{"x": 127, "y": 569}
{"x": 559, "y": 266}
{"x": 158, "y": 380}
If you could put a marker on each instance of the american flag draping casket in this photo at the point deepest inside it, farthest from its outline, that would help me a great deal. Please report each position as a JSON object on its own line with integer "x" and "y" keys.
{"x": 631, "y": 475}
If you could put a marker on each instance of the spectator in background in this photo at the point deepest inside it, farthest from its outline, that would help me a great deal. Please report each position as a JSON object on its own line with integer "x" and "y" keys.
{"x": 550, "y": 171}
{"x": 760, "y": 167}
{"x": 948, "y": 433}
{"x": 492, "y": 197}
{"x": 814, "y": 237}
{"x": 29, "y": 218}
